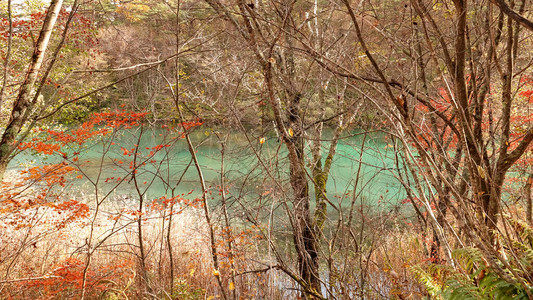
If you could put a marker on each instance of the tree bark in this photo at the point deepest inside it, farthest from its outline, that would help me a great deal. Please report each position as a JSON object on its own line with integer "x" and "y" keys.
{"x": 8, "y": 52}
{"x": 528, "y": 196}
{"x": 512, "y": 14}
{"x": 289, "y": 126}
{"x": 23, "y": 103}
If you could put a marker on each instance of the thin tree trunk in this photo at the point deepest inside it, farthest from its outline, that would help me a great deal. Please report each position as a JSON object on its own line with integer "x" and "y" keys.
{"x": 169, "y": 247}
{"x": 527, "y": 194}
{"x": 142, "y": 250}
{"x": 8, "y": 52}
{"x": 229, "y": 238}
{"x": 22, "y": 103}
{"x": 192, "y": 151}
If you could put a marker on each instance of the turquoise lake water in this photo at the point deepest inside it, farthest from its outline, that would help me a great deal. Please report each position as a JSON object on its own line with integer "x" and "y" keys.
{"x": 104, "y": 161}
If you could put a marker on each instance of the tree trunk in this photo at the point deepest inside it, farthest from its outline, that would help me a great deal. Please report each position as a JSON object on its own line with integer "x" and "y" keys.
{"x": 22, "y": 103}
{"x": 527, "y": 194}
{"x": 305, "y": 237}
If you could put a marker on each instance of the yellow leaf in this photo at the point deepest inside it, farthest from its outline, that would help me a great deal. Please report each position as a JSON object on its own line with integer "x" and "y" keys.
{"x": 210, "y": 297}
{"x": 231, "y": 286}
{"x": 291, "y": 132}
{"x": 262, "y": 140}
{"x": 191, "y": 272}
{"x": 216, "y": 272}
{"x": 481, "y": 172}
{"x": 207, "y": 133}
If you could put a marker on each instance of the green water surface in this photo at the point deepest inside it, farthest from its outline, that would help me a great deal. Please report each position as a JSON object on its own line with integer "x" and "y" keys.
{"x": 169, "y": 171}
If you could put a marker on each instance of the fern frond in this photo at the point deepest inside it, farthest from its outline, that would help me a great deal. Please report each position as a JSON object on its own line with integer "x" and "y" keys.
{"x": 433, "y": 286}
{"x": 523, "y": 229}
{"x": 467, "y": 257}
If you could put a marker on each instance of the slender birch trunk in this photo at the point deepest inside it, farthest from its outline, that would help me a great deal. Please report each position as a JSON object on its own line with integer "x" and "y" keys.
{"x": 23, "y": 103}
